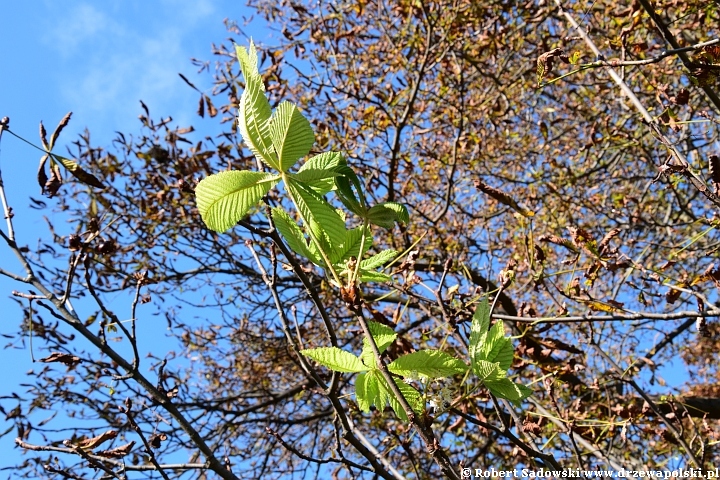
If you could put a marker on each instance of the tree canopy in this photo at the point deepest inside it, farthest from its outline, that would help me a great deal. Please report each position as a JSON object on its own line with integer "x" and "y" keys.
{"x": 525, "y": 193}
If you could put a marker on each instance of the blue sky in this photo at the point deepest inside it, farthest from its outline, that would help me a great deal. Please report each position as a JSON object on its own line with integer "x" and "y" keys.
{"x": 96, "y": 59}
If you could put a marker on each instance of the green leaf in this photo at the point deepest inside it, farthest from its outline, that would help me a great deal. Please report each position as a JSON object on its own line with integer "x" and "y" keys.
{"x": 319, "y": 171}
{"x": 351, "y": 245}
{"x": 226, "y": 197}
{"x": 335, "y": 359}
{"x": 345, "y": 184}
{"x": 387, "y": 213}
{"x": 478, "y": 330}
{"x": 509, "y": 390}
{"x": 494, "y": 336}
{"x": 254, "y": 111}
{"x": 383, "y": 336}
{"x": 502, "y": 353}
{"x": 368, "y": 276}
{"x": 378, "y": 259}
{"x": 292, "y": 135}
{"x": 430, "y": 363}
{"x": 412, "y": 396}
{"x": 367, "y": 391}
{"x": 319, "y": 216}
{"x": 488, "y": 370}
{"x": 293, "y": 235}
{"x": 77, "y": 171}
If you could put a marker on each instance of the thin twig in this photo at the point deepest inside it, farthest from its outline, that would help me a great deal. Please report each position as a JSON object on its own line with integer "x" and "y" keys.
{"x": 116, "y": 463}
{"x": 127, "y": 410}
{"x": 4, "y": 124}
{"x": 307, "y": 458}
{"x": 682, "y": 165}
{"x": 621, "y": 374}
{"x": 380, "y": 465}
{"x": 669, "y": 38}
{"x": 614, "y": 317}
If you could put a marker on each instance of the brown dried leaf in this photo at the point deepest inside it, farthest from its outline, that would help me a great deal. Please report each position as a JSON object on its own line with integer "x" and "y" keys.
{"x": 63, "y": 123}
{"x": 95, "y": 442}
{"x": 201, "y": 107}
{"x": 117, "y": 452}
{"x": 682, "y": 97}
{"x": 156, "y": 440}
{"x": 672, "y": 295}
{"x": 559, "y": 241}
{"x": 714, "y": 169}
{"x": 545, "y": 63}
{"x": 531, "y": 427}
{"x": 606, "y": 239}
{"x": 42, "y": 177}
{"x": 52, "y": 186}
{"x": 66, "y": 358}
{"x": 188, "y": 82}
{"x": 502, "y": 197}
{"x": 212, "y": 111}
{"x": 43, "y": 136}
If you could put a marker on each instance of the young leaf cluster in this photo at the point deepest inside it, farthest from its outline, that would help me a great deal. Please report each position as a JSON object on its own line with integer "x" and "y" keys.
{"x": 371, "y": 388}
{"x": 279, "y": 139}
{"x": 491, "y": 355}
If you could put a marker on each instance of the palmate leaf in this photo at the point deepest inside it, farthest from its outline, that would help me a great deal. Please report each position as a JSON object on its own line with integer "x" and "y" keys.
{"x": 498, "y": 348}
{"x": 319, "y": 216}
{"x": 387, "y": 213}
{"x": 226, "y": 197}
{"x": 502, "y": 352}
{"x": 371, "y": 389}
{"x": 488, "y": 370}
{"x": 294, "y": 237}
{"x": 335, "y": 359}
{"x": 292, "y": 135}
{"x": 254, "y": 111}
{"x": 430, "y": 363}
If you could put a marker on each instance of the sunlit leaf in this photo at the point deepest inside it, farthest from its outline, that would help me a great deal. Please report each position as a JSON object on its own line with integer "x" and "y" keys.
{"x": 335, "y": 359}
{"x": 430, "y": 363}
{"x": 411, "y": 395}
{"x": 351, "y": 246}
{"x": 226, "y": 197}
{"x": 509, "y": 390}
{"x": 292, "y": 135}
{"x": 254, "y": 111}
{"x": 293, "y": 236}
{"x": 378, "y": 259}
{"x": 387, "y": 213}
{"x": 383, "y": 336}
{"x": 321, "y": 218}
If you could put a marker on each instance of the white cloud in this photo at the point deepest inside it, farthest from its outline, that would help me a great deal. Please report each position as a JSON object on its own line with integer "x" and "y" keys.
{"x": 115, "y": 56}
